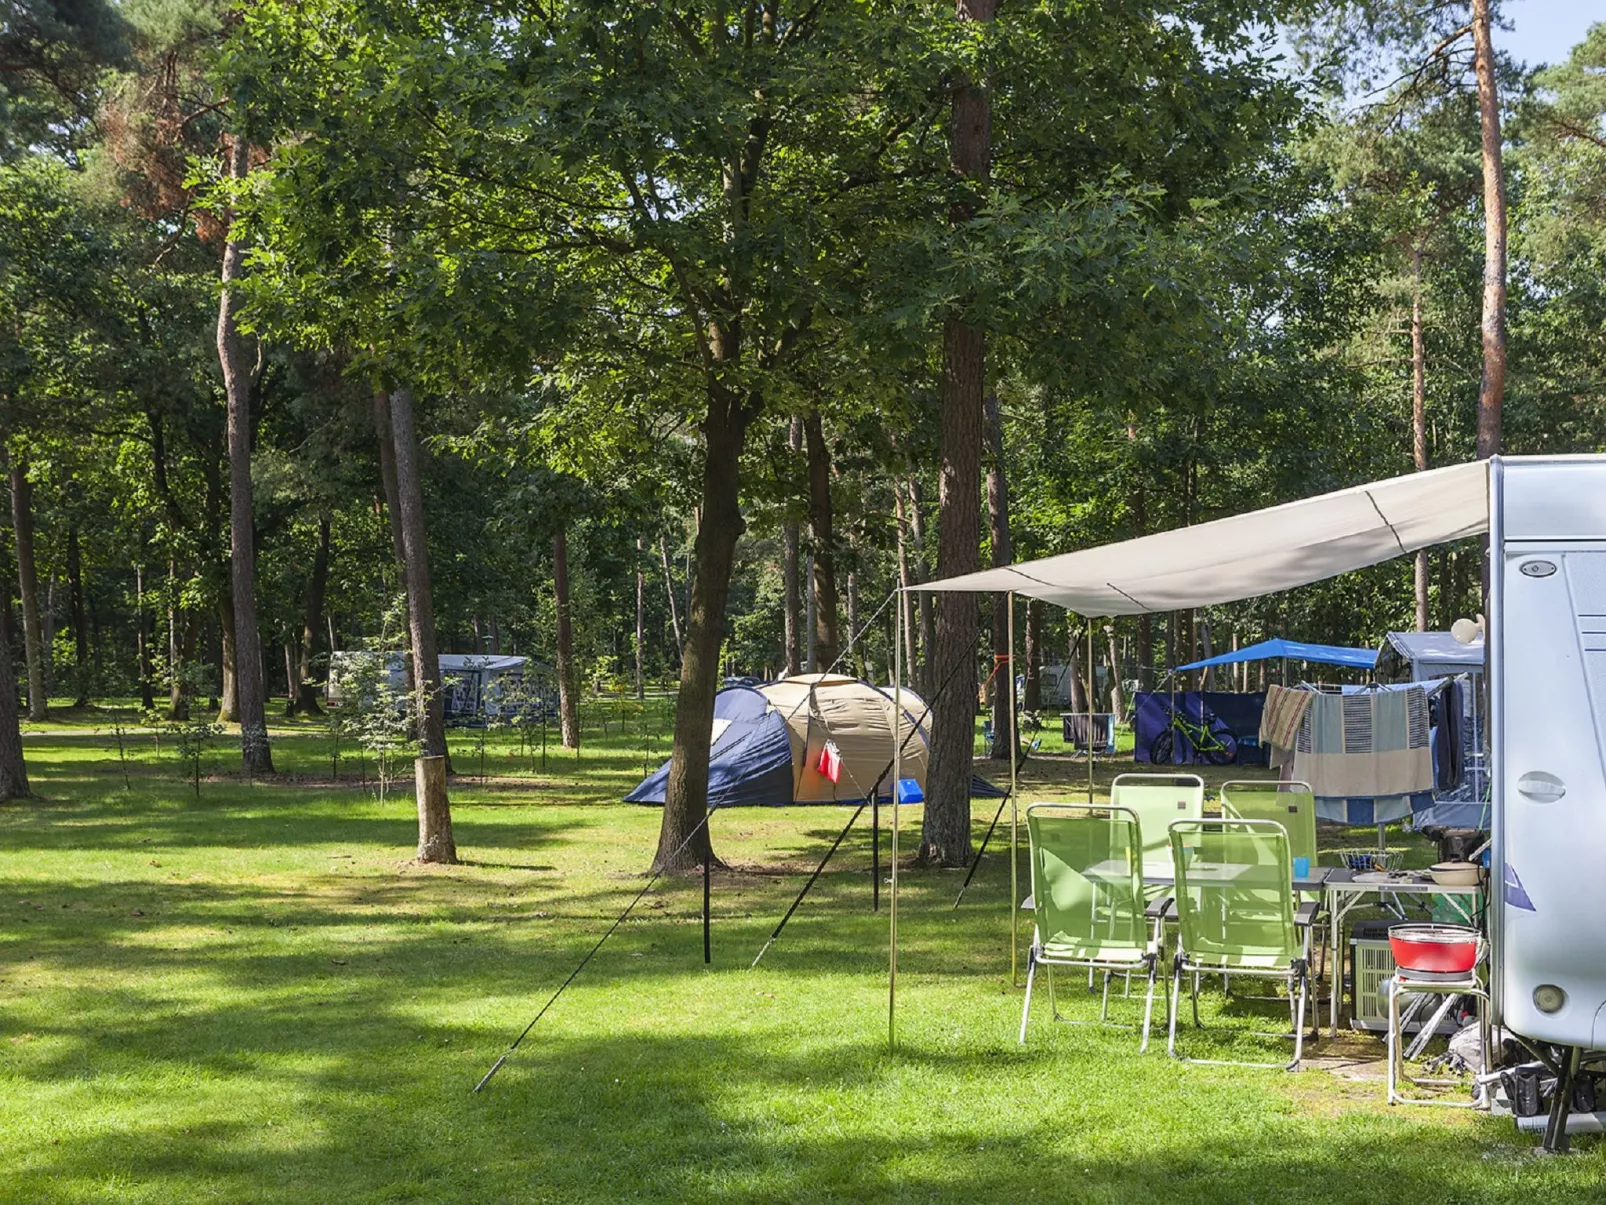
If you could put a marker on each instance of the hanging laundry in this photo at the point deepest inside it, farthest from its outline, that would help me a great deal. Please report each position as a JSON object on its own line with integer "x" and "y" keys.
{"x": 1444, "y": 713}
{"x": 1371, "y": 744}
{"x": 1280, "y": 719}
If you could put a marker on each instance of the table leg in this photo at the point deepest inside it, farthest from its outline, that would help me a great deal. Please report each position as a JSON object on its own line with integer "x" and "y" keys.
{"x": 1343, "y": 905}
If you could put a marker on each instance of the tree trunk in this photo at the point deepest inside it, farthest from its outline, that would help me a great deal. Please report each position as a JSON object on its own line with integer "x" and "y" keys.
{"x": 1003, "y": 554}
{"x": 1419, "y": 421}
{"x": 946, "y": 836}
{"x": 291, "y": 693}
{"x": 28, "y": 582}
{"x": 683, "y": 840}
{"x": 312, "y": 625}
{"x": 793, "y": 602}
{"x": 13, "y": 766}
{"x": 827, "y": 633}
{"x": 854, "y": 661}
{"x": 906, "y": 579}
{"x": 1140, "y": 526}
{"x": 1492, "y": 389}
{"x": 387, "y": 477}
{"x": 641, "y": 623}
{"x": 810, "y": 597}
{"x": 669, "y": 589}
{"x": 1117, "y": 690}
{"x": 924, "y": 602}
{"x": 142, "y": 648}
{"x": 568, "y": 701}
{"x": 47, "y": 624}
{"x": 80, "y": 618}
{"x": 228, "y": 661}
{"x": 1033, "y": 693}
{"x": 435, "y": 840}
{"x": 251, "y": 690}
{"x": 178, "y": 703}
{"x": 1077, "y": 691}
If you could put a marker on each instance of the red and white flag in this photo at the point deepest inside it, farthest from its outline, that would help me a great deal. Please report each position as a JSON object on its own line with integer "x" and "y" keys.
{"x": 831, "y": 761}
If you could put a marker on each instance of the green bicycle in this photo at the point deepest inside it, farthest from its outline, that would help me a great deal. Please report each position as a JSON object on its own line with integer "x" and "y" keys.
{"x": 1209, "y": 736}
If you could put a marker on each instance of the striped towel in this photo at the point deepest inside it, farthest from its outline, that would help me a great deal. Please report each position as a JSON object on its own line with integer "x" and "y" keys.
{"x": 1280, "y": 719}
{"x": 1372, "y": 744}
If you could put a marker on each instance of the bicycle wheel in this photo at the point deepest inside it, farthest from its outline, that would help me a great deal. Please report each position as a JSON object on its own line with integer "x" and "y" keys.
{"x": 1160, "y": 749}
{"x": 1223, "y": 750}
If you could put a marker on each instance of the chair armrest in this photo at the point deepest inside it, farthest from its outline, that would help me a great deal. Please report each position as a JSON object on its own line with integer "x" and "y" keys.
{"x": 1305, "y": 915}
{"x": 1161, "y": 909}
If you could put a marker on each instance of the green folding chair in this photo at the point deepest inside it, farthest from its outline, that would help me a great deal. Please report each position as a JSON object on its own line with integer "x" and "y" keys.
{"x": 1290, "y": 804}
{"x": 1235, "y": 903}
{"x": 1087, "y": 898}
{"x": 1157, "y": 800}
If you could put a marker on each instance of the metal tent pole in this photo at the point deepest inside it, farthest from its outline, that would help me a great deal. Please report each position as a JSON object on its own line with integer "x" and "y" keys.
{"x": 1014, "y": 810}
{"x": 1089, "y": 709}
{"x": 897, "y": 787}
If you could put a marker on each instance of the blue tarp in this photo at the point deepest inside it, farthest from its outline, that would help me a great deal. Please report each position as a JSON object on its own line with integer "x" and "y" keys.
{"x": 1293, "y": 650}
{"x": 1233, "y": 718}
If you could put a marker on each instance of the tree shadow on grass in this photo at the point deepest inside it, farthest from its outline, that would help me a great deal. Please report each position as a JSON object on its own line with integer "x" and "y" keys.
{"x": 381, "y": 1112}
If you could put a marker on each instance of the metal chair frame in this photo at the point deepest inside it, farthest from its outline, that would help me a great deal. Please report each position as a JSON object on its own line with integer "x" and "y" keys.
{"x": 1296, "y": 975}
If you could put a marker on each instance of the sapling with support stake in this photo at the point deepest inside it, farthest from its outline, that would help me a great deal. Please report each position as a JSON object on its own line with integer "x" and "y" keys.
{"x": 119, "y": 734}
{"x": 191, "y": 739}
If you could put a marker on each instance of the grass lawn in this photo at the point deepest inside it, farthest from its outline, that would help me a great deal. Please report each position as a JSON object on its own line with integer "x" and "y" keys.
{"x": 257, "y": 997}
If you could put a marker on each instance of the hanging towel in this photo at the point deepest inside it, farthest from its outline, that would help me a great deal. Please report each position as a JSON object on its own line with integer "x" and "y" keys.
{"x": 1280, "y": 719}
{"x": 1444, "y": 710}
{"x": 1371, "y": 744}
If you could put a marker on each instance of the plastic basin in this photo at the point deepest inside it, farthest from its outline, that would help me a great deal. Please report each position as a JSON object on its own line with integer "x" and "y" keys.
{"x": 1440, "y": 949}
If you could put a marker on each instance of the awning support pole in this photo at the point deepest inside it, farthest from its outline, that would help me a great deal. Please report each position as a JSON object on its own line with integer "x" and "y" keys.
{"x": 1014, "y": 812}
{"x": 897, "y": 788}
{"x": 1089, "y": 712}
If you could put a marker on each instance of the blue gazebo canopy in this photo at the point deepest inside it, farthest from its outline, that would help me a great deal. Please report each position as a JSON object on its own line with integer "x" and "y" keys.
{"x": 1293, "y": 650}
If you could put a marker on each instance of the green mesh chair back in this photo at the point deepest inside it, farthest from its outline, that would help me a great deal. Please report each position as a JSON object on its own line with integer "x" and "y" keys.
{"x": 1157, "y": 800}
{"x": 1087, "y": 883}
{"x": 1295, "y": 810}
{"x": 1234, "y": 892}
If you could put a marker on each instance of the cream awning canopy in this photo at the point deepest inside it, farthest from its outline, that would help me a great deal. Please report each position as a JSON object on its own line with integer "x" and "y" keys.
{"x": 1245, "y": 556}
